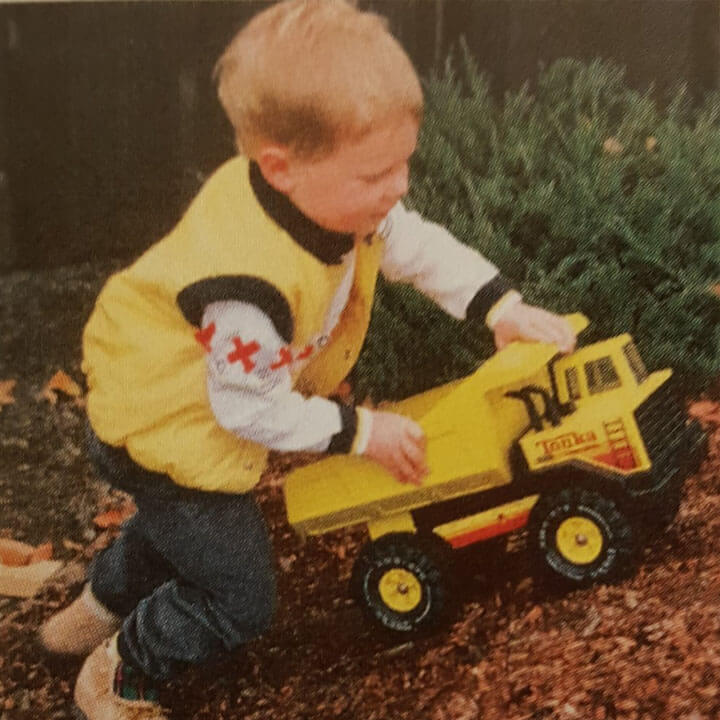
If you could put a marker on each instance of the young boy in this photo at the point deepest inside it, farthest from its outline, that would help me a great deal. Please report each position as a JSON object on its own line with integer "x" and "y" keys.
{"x": 226, "y": 338}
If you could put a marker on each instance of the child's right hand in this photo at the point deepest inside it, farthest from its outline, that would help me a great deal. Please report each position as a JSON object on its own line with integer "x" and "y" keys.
{"x": 398, "y": 444}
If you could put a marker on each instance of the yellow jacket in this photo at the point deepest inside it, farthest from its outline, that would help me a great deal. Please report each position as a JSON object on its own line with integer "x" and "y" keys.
{"x": 145, "y": 367}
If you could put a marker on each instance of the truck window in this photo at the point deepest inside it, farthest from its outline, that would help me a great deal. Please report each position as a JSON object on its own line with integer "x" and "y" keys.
{"x": 635, "y": 362}
{"x": 573, "y": 385}
{"x": 601, "y": 375}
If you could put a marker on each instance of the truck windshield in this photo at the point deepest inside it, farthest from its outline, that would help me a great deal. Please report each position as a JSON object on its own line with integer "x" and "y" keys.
{"x": 573, "y": 384}
{"x": 635, "y": 362}
{"x": 601, "y": 375}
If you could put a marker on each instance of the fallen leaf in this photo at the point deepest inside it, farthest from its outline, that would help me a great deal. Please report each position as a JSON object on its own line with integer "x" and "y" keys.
{"x": 650, "y": 144}
{"x": 115, "y": 517}
{"x": 14, "y": 553}
{"x": 6, "y": 390}
{"x": 612, "y": 146}
{"x": 60, "y": 382}
{"x": 41, "y": 552}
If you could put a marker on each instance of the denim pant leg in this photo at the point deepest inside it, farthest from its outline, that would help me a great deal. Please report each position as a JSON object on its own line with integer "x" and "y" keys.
{"x": 223, "y": 593}
{"x": 128, "y": 570}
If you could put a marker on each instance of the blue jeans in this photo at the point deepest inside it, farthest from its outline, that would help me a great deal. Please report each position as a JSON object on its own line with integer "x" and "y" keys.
{"x": 191, "y": 573}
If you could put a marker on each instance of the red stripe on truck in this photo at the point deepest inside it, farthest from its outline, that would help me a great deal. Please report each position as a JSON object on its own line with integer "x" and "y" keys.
{"x": 489, "y": 531}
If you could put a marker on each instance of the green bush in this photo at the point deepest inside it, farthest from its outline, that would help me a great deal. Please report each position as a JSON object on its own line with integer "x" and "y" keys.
{"x": 587, "y": 196}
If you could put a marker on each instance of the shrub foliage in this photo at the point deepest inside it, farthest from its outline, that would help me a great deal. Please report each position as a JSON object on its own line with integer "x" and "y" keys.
{"x": 588, "y": 196}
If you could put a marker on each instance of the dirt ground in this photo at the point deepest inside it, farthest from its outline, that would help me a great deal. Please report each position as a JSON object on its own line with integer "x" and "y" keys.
{"x": 645, "y": 649}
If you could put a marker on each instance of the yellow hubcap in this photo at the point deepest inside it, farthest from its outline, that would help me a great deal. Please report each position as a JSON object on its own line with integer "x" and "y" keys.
{"x": 400, "y": 590}
{"x": 579, "y": 540}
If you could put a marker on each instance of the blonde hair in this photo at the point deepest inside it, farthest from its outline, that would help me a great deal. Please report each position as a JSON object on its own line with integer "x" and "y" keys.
{"x": 310, "y": 73}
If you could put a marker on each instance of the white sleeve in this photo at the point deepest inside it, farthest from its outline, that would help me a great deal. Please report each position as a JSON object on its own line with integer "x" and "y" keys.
{"x": 250, "y": 390}
{"x": 432, "y": 260}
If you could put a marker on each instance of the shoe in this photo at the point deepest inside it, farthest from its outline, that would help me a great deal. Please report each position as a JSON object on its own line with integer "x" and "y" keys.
{"x": 80, "y": 627}
{"x": 109, "y": 689}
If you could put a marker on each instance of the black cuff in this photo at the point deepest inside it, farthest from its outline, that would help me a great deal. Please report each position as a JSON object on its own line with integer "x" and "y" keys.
{"x": 341, "y": 442}
{"x": 486, "y": 297}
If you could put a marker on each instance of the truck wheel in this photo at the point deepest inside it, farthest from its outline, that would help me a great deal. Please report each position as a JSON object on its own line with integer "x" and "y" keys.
{"x": 581, "y": 536}
{"x": 401, "y": 582}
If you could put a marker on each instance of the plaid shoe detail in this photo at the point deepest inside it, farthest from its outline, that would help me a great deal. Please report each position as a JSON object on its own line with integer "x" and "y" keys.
{"x": 132, "y": 685}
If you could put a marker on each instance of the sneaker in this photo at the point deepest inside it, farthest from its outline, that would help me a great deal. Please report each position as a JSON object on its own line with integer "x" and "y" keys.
{"x": 80, "y": 627}
{"x": 109, "y": 689}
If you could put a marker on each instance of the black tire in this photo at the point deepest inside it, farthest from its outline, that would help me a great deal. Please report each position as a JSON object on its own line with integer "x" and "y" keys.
{"x": 423, "y": 561}
{"x": 606, "y": 556}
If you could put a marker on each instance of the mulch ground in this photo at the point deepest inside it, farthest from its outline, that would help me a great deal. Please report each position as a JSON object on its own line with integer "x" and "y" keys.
{"x": 645, "y": 649}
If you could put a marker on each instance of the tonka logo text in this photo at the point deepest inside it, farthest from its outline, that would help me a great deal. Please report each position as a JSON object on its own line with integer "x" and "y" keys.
{"x": 567, "y": 443}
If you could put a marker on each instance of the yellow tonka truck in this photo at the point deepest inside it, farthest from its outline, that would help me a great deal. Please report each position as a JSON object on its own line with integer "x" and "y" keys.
{"x": 587, "y": 450}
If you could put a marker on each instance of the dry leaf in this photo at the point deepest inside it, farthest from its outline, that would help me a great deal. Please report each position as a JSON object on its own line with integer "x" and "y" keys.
{"x": 14, "y": 553}
{"x": 612, "y": 146}
{"x": 650, "y": 144}
{"x": 41, "y": 553}
{"x": 60, "y": 382}
{"x": 115, "y": 517}
{"x": 715, "y": 289}
{"x": 6, "y": 390}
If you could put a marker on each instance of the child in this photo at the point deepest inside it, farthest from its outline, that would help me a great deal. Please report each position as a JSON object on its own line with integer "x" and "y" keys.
{"x": 226, "y": 338}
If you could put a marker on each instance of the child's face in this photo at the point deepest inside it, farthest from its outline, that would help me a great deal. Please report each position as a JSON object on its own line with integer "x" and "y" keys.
{"x": 354, "y": 187}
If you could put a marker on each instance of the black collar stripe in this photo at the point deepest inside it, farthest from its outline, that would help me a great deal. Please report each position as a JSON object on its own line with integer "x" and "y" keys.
{"x": 325, "y": 245}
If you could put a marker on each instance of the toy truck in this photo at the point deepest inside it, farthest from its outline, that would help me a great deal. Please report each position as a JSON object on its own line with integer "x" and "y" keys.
{"x": 588, "y": 451}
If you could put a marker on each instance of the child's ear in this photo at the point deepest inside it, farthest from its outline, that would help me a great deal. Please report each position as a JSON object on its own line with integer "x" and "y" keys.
{"x": 275, "y": 163}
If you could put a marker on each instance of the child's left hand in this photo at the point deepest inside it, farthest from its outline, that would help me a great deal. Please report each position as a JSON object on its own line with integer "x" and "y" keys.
{"x": 530, "y": 323}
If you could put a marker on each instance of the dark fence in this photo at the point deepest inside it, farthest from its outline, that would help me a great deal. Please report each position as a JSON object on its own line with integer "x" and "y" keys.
{"x": 109, "y": 122}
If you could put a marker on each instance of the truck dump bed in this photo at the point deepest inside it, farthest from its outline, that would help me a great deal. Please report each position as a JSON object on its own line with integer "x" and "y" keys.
{"x": 463, "y": 424}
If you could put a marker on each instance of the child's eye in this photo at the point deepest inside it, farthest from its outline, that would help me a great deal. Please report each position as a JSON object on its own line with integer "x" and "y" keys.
{"x": 374, "y": 178}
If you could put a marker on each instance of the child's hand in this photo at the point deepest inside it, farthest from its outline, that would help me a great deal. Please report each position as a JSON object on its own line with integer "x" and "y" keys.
{"x": 398, "y": 444}
{"x": 527, "y": 322}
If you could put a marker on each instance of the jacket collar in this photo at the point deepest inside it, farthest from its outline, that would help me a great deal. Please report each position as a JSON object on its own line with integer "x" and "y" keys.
{"x": 327, "y": 246}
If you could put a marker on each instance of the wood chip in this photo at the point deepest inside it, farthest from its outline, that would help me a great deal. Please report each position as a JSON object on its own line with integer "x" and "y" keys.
{"x": 60, "y": 382}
